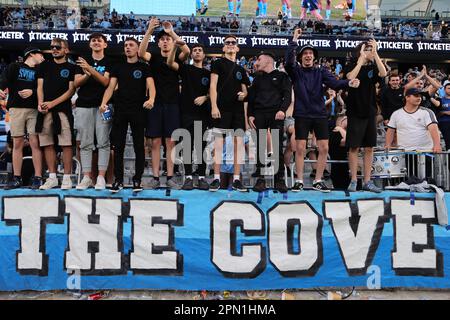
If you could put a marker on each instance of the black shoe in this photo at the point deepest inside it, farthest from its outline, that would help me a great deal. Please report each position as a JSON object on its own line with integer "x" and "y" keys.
{"x": 298, "y": 186}
{"x": 321, "y": 186}
{"x": 36, "y": 182}
{"x": 203, "y": 184}
{"x": 215, "y": 185}
{"x": 15, "y": 183}
{"x": 237, "y": 185}
{"x": 280, "y": 186}
{"x": 137, "y": 185}
{"x": 313, "y": 173}
{"x": 260, "y": 185}
{"x": 117, "y": 186}
{"x": 188, "y": 184}
{"x": 257, "y": 173}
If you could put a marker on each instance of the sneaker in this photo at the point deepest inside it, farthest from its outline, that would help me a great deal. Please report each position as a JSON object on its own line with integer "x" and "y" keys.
{"x": 101, "y": 183}
{"x": 154, "y": 184}
{"x": 298, "y": 186}
{"x": 237, "y": 185}
{"x": 16, "y": 182}
{"x": 188, "y": 184}
{"x": 137, "y": 187}
{"x": 370, "y": 186}
{"x": 50, "y": 183}
{"x": 215, "y": 185}
{"x": 85, "y": 183}
{"x": 280, "y": 186}
{"x": 260, "y": 185}
{"x": 352, "y": 186}
{"x": 117, "y": 186}
{"x": 203, "y": 184}
{"x": 36, "y": 183}
{"x": 172, "y": 184}
{"x": 66, "y": 183}
{"x": 321, "y": 186}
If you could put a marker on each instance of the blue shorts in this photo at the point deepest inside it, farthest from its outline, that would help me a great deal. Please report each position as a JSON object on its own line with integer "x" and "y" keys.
{"x": 162, "y": 120}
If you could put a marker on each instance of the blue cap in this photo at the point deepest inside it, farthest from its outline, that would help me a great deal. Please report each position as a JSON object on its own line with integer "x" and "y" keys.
{"x": 412, "y": 91}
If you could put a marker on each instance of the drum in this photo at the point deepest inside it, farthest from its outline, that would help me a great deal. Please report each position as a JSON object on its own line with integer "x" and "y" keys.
{"x": 386, "y": 164}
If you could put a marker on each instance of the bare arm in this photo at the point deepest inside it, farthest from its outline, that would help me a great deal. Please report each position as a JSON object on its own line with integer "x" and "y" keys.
{"x": 171, "y": 59}
{"x": 435, "y": 85}
{"x": 389, "y": 137}
{"x": 213, "y": 90}
{"x": 154, "y": 23}
{"x": 151, "y": 89}
{"x": 64, "y": 97}
{"x": 80, "y": 79}
{"x": 434, "y": 131}
{"x": 185, "y": 51}
{"x": 108, "y": 93}
{"x": 40, "y": 91}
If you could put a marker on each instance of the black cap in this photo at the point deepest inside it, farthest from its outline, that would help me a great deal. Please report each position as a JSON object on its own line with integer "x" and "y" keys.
{"x": 31, "y": 50}
{"x": 412, "y": 91}
{"x": 266, "y": 53}
{"x": 307, "y": 46}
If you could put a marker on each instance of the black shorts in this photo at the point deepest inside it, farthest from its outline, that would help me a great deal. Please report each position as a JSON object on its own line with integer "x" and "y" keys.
{"x": 230, "y": 120}
{"x": 361, "y": 132}
{"x": 162, "y": 120}
{"x": 305, "y": 125}
{"x": 310, "y": 4}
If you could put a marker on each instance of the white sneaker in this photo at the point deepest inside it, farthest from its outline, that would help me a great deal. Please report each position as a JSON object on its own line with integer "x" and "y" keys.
{"x": 85, "y": 183}
{"x": 101, "y": 183}
{"x": 50, "y": 183}
{"x": 66, "y": 183}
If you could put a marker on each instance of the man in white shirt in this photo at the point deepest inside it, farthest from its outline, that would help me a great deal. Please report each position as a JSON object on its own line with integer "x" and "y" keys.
{"x": 416, "y": 126}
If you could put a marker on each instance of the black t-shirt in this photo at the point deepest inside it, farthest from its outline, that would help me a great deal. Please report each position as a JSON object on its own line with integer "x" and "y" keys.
{"x": 91, "y": 93}
{"x": 56, "y": 81}
{"x": 231, "y": 76}
{"x": 166, "y": 80}
{"x": 132, "y": 82}
{"x": 17, "y": 77}
{"x": 195, "y": 83}
{"x": 361, "y": 101}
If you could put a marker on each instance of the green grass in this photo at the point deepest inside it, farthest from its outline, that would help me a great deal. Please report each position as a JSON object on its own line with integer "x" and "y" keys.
{"x": 248, "y": 8}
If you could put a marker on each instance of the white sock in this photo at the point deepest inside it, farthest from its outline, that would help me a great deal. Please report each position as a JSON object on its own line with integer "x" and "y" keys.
{"x": 201, "y": 177}
{"x": 52, "y": 175}
{"x": 315, "y": 181}
{"x": 217, "y": 177}
{"x": 66, "y": 177}
{"x": 235, "y": 177}
{"x": 189, "y": 177}
{"x": 299, "y": 181}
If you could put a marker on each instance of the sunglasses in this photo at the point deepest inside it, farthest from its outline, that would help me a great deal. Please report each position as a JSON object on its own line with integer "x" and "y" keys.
{"x": 230, "y": 43}
{"x": 56, "y": 47}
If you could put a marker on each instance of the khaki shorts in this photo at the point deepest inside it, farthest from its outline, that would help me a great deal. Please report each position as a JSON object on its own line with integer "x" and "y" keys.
{"x": 46, "y": 136}
{"x": 23, "y": 121}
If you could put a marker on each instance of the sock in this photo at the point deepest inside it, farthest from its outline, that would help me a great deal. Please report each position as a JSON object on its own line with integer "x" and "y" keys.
{"x": 189, "y": 177}
{"x": 217, "y": 177}
{"x": 66, "y": 176}
{"x": 230, "y": 6}
{"x": 315, "y": 181}
{"x": 289, "y": 12}
{"x": 328, "y": 13}
{"x": 238, "y": 6}
{"x": 236, "y": 177}
{"x": 299, "y": 181}
{"x": 156, "y": 178}
{"x": 198, "y": 4}
{"x": 52, "y": 175}
{"x": 169, "y": 177}
{"x": 260, "y": 7}
{"x": 284, "y": 7}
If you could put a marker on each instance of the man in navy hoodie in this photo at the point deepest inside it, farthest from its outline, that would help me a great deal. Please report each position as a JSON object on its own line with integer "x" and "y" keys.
{"x": 309, "y": 106}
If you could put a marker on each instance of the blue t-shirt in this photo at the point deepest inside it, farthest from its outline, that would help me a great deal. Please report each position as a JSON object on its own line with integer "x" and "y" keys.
{"x": 445, "y": 106}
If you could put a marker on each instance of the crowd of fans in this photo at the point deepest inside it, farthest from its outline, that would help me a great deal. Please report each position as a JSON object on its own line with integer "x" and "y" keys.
{"x": 45, "y": 18}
